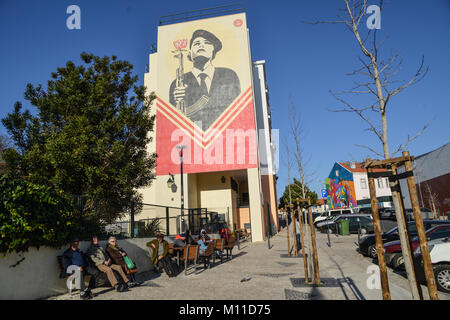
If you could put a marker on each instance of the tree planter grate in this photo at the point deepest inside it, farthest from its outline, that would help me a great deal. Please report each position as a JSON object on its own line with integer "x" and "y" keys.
{"x": 325, "y": 282}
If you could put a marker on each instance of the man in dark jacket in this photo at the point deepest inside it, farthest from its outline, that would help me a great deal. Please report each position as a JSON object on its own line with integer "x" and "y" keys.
{"x": 208, "y": 90}
{"x": 74, "y": 256}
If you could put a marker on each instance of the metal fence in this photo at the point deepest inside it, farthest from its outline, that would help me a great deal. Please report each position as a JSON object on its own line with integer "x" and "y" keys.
{"x": 153, "y": 219}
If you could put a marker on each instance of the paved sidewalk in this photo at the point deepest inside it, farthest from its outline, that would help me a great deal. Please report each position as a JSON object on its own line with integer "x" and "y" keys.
{"x": 273, "y": 276}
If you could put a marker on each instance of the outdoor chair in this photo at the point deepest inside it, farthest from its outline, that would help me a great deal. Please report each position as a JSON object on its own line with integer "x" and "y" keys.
{"x": 229, "y": 247}
{"x": 219, "y": 247}
{"x": 206, "y": 257}
{"x": 190, "y": 254}
{"x": 171, "y": 252}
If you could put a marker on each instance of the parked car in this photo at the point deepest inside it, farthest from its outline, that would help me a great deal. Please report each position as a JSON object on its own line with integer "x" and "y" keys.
{"x": 367, "y": 210}
{"x": 332, "y": 219}
{"x": 367, "y": 243}
{"x": 355, "y": 220}
{"x": 440, "y": 259}
{"x": 387, "y": 214}
{"x": 393, "y": 250}
{"x": 426, "y": 214}
{"x": 332, "y": 213}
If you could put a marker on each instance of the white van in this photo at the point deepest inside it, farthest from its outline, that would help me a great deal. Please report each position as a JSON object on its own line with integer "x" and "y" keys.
{"x": 333, "y": 213}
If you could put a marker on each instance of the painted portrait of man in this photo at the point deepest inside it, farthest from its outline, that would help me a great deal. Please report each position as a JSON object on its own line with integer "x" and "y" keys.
{"x": 207, "y": 89}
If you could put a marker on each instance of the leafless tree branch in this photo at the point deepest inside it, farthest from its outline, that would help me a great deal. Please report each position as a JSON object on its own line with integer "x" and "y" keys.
{"x": 403, "y": 146}
{"x": 372, "y": 150}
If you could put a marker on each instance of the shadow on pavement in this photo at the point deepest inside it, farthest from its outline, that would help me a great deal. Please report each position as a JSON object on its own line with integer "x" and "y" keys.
{"x": 349, "y": 281}
{"x": 240, "y": 254}
{"x": 353, "y": 288}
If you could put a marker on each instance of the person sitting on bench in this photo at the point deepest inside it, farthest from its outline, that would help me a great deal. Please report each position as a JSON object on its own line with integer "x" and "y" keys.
{"x": 117, "y": 255}
{"x": 104, "y": 264}
{"x": 184, "y": 239}
{"x": 160, "y": 258}
{"x": 74, "y": 256}
{"x": 203, "y": 241}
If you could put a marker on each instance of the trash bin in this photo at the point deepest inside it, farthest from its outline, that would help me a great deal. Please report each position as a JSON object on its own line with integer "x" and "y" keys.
{"x": 344, "y": 227}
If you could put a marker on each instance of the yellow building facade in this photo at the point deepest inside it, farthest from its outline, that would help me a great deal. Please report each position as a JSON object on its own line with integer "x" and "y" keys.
{"x": 212, "y": 100}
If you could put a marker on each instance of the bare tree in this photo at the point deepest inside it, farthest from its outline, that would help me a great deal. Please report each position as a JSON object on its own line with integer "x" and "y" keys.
{"x": 376, "y": 77}
{"x": 433, "y": 200}
{"x": 297, "y": 133}
{"x": 288, "y": 160}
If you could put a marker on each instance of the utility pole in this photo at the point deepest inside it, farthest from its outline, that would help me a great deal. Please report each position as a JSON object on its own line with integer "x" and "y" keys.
{"x": 183, "y": 224}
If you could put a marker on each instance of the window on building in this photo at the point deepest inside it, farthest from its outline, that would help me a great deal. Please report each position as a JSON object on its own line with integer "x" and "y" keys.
{"x": 387, "y": 183}
{"x": 380, "y": 183}
{"x": 363, "y": 183}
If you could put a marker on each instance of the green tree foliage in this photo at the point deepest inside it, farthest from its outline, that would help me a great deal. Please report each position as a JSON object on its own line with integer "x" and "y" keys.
{"x": 88, "y": 137}
{"x": 34, "y": 216}
{"x": 296, "y": 192}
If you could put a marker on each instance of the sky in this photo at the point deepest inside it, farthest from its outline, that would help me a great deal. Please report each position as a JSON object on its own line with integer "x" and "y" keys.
{"x": 303, "y": 63}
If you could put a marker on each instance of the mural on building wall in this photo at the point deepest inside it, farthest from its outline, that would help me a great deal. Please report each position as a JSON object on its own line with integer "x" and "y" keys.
{"x": 204, "y": 96}
{"x": 340, "y": 193}
{"x": 203, "y": 93}
{"x": 340, "y": 188}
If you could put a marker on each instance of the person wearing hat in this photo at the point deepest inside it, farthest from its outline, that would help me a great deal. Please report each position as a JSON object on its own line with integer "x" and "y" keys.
{"x": 208, "y": 90}
{"x": 160, "y": 258}
{"x": 74, "y": 256}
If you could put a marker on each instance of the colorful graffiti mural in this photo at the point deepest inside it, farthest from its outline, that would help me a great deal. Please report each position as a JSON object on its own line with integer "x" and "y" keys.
{"x": 340, "y": 188}
{"x": 341, "y": 193}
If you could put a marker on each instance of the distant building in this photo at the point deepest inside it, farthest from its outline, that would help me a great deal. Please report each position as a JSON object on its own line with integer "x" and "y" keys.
{"x": 347, "y": 186}
{"x": 321, "y": 205}
{"x": 432, "y": 177}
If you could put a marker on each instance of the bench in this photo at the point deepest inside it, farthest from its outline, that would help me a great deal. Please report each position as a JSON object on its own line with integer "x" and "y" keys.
{"x": 190, "y": 253}
{"x": 100, "y": 281}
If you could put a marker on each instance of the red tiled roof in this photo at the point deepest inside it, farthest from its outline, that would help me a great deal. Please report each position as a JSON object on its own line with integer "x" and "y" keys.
{"x": 320, "y": 202}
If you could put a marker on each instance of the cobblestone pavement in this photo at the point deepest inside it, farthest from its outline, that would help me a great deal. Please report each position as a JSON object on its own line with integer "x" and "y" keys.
{"x": 273, "y": 276}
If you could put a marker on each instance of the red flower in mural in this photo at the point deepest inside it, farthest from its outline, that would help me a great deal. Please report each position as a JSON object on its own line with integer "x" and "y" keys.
{"x": 180, "y": 44}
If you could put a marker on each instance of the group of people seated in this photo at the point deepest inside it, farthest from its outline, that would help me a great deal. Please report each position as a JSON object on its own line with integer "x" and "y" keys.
{"x": 99, "y": 260}
{"x": 111, "y": 260}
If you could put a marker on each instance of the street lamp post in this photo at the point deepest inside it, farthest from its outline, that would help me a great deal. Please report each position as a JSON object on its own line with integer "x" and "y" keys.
{"x": 183, "y": 225}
